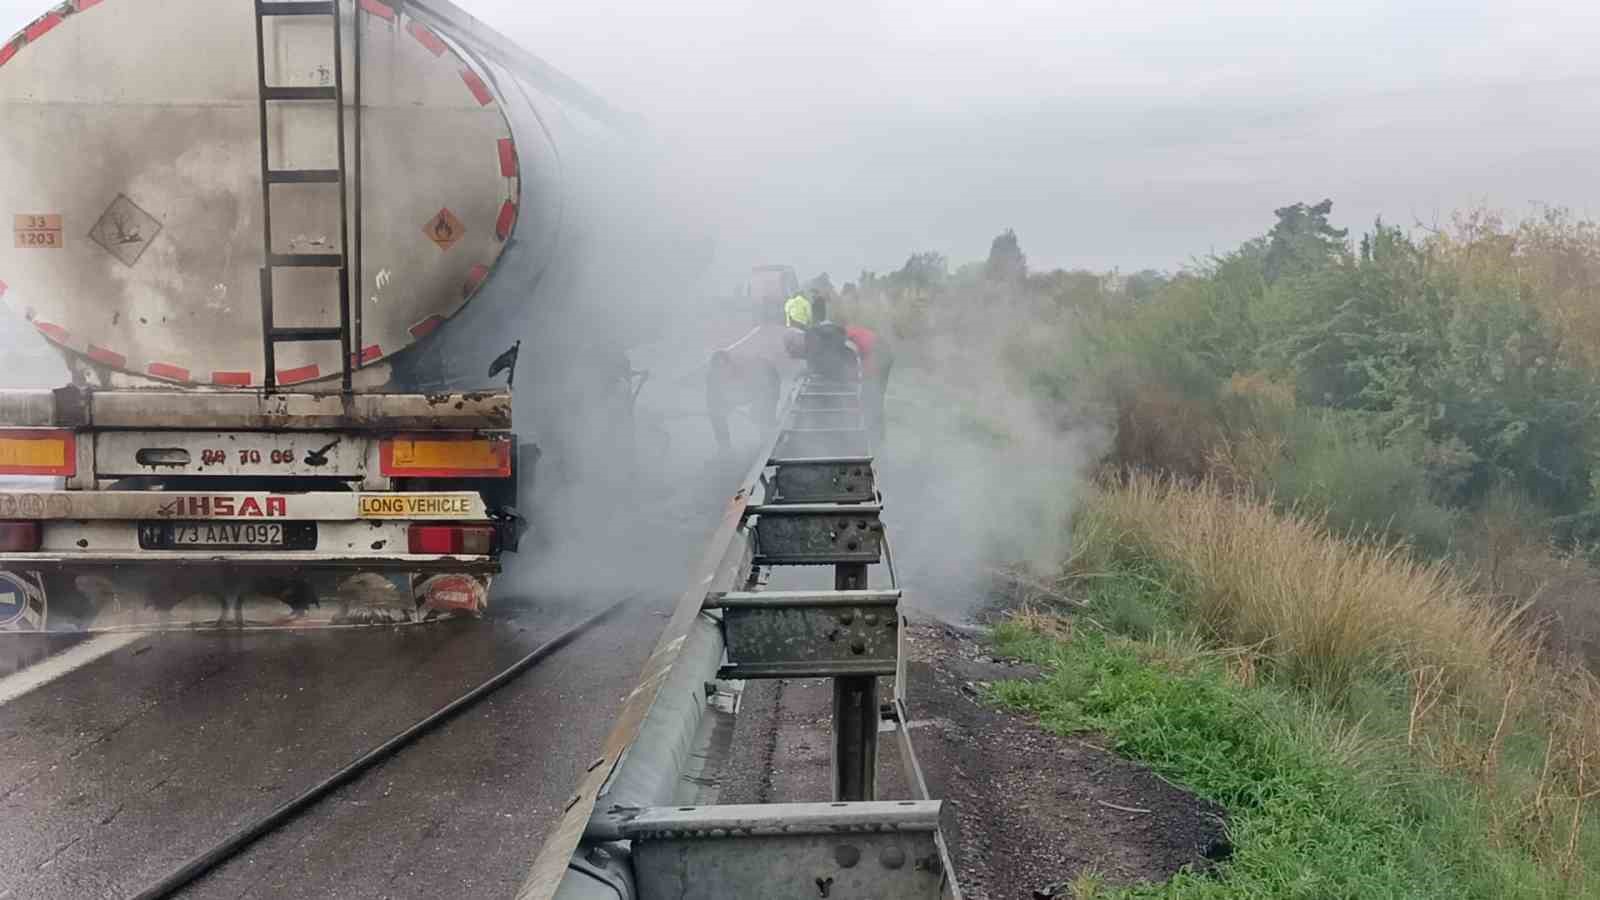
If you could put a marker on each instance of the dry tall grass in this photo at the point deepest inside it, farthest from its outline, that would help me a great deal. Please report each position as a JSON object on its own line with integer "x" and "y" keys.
{"x": 1323, "y": 610}
{"x": 1327, "y": 614}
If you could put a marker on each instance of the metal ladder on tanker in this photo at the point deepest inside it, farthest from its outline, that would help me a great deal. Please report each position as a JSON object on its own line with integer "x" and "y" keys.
{"x": 273, "y": 334}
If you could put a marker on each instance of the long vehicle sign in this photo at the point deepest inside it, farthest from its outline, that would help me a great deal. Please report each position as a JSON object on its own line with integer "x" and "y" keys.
{"x": 325, "y": 506}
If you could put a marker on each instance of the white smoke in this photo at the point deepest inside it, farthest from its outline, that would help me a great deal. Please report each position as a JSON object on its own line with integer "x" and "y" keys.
{"x": 980, "y": 468}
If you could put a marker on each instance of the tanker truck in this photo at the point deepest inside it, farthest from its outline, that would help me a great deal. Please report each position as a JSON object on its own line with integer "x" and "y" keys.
{"x": 765, "y": 291}
{"x": 278, "y": 245}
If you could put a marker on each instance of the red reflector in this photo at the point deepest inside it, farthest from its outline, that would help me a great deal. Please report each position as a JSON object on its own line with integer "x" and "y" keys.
{"x": 474, "y": 280}
{"x": 508, "y": 158}
{"x": 381, "y": 10}
{"x": 19, "y": 537}
{"x": 427, "y": 38}
{"x": 480, "y": 91}
{"x": 508, "y": 218}
{"x": 471, "y": 540}
{"x": 42, "y": 26}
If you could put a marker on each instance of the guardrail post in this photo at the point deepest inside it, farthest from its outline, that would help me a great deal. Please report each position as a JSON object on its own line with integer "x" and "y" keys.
{"x": 855, "y": 716}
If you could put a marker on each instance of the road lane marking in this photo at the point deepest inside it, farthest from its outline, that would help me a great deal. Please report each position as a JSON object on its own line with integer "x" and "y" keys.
{"x": 42, "y": 673}
{"x": 736, "y": 344}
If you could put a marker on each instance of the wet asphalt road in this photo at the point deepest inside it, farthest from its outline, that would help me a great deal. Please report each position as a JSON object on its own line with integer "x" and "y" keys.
{"x": 118, "y": 772}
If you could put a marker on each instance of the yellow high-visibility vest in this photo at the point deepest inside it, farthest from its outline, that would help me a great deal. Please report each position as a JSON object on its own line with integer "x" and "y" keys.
{"x": 797, "y": 311}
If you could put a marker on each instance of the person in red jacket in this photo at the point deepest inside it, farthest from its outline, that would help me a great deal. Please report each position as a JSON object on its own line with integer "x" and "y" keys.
{"x": 876, "y": 361}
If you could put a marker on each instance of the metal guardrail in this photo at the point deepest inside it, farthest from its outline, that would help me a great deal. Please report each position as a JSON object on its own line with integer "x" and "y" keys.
{"x": 630, "y": 832}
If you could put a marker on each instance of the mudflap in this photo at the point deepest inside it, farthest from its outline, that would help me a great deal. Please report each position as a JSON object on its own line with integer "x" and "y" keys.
{"x": 112, "y": 600}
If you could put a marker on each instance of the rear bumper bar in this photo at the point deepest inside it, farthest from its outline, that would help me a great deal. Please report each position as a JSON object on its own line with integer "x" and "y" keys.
{"x": 279, "y": 562}
{"x": 160, "y": 590}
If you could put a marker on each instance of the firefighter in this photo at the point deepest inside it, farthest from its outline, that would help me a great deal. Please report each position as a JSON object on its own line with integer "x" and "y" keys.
{"x": 852, "y": 353}
{"x": 826, "y": 351}
{"x": 738, "y": 380}
{"x": 876, "y": 359}
{"x": 797, "y": 312}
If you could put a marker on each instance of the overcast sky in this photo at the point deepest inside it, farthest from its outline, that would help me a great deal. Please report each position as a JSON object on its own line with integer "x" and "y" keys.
{"x": 846, "y": 134}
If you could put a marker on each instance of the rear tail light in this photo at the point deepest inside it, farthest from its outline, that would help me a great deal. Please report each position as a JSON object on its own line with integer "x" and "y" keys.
{"x": 469, "y": 540}
{"x": 19, "y": 537}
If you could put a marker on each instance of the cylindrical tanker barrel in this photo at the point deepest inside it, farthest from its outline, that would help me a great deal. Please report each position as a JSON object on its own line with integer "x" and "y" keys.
{"x": 132, "y": 172}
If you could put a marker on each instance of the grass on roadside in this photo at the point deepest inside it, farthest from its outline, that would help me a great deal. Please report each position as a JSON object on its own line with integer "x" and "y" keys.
{"x": 1373, "y": 727}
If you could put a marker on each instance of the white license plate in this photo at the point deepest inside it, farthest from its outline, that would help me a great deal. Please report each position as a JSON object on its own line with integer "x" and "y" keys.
{"x": 227, "y": 534}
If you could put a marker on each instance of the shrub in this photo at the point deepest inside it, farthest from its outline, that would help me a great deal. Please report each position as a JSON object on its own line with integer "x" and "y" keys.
{"x": 1359, "y": 485}
{"x": 1407, "y": 651}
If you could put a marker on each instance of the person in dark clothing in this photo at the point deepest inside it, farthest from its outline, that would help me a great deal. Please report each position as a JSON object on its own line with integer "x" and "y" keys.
{"x": 828, "y": 353}
{"x": 850, "y": 354}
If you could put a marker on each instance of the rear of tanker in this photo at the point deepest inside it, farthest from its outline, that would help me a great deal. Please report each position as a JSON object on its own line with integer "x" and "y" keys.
{"x": 246, "y": 226}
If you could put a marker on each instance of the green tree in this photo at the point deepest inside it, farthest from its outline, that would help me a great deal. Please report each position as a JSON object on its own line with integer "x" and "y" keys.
{"x": 1302, "y": 241}
{"x": 1006, "y": 264}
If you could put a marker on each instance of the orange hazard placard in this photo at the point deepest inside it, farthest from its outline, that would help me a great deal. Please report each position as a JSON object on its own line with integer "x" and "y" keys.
{"x": 444, "y": 229}
{"x": 37, "y": 231}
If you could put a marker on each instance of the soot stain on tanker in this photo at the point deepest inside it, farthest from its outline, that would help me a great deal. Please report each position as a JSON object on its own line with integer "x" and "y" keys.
{"x": 160, "y": 178}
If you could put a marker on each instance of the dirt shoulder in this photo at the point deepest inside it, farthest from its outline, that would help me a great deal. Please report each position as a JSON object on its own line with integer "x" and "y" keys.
{"x": 1033, "y": 809}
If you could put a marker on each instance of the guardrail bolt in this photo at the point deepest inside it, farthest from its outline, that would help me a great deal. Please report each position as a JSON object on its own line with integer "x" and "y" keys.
{"x": 892, "y": 857}
{"x": 847, "y": 617}
{"x": 847, "y": 855}
{"x": 858, "y": 646}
